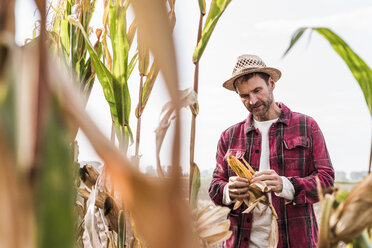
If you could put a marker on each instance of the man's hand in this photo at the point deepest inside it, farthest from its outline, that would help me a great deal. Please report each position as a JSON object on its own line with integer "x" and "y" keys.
{"x": 271, "y": 178}
{"x": 238, "y": 187}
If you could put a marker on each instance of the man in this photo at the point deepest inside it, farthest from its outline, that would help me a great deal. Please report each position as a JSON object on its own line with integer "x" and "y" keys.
{"x": 286, "y": 149}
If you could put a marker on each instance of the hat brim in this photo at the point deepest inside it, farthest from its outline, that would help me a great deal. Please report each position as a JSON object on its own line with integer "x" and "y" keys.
{"x": 274, "y": 73}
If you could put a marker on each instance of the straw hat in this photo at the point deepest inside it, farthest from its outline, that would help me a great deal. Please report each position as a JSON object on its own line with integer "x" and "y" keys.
{"x": 248, "y": 64}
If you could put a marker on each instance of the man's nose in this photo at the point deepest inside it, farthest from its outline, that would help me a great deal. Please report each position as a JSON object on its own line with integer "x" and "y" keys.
{"x": 253, "y": 100}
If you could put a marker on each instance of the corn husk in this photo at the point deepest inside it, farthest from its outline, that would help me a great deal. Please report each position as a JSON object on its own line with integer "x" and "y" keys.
{"x": 354, "y": 214}
{"x": 211, "y": 225}
{"x": 88, "y": 175}
{"x": 258, "y": 193}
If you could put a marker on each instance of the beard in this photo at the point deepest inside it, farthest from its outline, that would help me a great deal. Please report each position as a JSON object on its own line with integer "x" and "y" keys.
{"x": 260, "y": 108}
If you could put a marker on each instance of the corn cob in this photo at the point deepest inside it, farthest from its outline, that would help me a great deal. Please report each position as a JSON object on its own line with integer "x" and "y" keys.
{"x": 241, "y": 171}
{"x": 239, "y": 168}
{"x": 257, "y": 194}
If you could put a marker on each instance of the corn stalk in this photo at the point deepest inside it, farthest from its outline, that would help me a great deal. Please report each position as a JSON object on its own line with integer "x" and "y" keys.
{"x": 146, "y": 88}
{"x": 215, "y": 11}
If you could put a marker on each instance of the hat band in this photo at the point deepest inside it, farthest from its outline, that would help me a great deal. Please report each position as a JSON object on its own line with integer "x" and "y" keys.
{"x": 248, "y": 69}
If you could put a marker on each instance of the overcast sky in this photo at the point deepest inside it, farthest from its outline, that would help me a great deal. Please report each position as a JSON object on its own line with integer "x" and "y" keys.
{"x": 315, "y": 81}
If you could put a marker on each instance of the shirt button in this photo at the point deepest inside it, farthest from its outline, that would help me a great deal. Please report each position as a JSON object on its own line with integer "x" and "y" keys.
{"x": 257, "y": 151}
{"x": 245, "y": 239}
{"x": 248, "y": 220}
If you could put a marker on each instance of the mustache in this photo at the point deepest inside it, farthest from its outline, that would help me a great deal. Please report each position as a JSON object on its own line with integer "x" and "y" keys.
{"x": 256, "y": 105}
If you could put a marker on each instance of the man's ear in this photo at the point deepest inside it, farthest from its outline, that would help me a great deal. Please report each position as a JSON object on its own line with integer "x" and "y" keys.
{"x": 271, "y": 83}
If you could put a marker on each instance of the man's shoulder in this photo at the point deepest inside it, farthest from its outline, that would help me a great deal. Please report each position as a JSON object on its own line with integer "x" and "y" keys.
{"x": 303, "y": 119}
{"x": 234, "y": 128}
{"x": 298, "y": 116}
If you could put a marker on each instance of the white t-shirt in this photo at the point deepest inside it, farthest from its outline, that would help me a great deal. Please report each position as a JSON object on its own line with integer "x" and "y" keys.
{"x": 262, "y": 218}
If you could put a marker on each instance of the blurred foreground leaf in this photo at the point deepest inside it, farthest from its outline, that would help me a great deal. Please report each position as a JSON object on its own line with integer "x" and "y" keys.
{"x": 195, "y": 187}
{"x": 121, "y": 231}
{"x": 56, "y": 194}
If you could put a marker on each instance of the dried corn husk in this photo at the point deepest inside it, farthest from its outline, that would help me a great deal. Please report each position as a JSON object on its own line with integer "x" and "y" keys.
{"x": 324, "y": 235}
{"x": 212, "y": 227}
{"x": 88, "y": 175}
{"x": 106, "y": 202}
{"x": 354, "y": 214}
{"x": 258, "y": 193}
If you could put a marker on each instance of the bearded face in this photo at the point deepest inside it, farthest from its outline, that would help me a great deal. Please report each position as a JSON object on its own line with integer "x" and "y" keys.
{"x": 257, "y": 96}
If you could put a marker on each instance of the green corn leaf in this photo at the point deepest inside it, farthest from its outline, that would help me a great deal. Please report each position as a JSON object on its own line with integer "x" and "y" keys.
{"x": 120, "y": 48}
{"x": 295, "y": 37}
{"x": 202, "y": 6}
{"x": 132, "y": 64}
{"x": 360, "y": 70}
{"x": 64, "y": 39}
{"x": 195, "y": 187}
{"x": 147, "y": 88}
{"x": 121, "y": 231}
{"x": 103, "y": 75}
{"x": 340, "y": 197}
{"x": 215, "y": 12}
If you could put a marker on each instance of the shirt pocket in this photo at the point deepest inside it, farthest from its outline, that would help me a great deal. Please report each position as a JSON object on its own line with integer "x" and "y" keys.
{"x": 295, "y": 154}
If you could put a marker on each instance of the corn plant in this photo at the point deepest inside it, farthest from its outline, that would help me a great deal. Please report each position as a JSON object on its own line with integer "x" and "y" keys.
{"x": 114, "y": 73}
{"x": 215, "y": 11}
{"x": 68, "y": 41}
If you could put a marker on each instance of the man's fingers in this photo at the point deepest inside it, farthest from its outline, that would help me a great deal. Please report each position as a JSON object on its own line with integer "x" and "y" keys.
{"x": 264, "y": 172}
{"x": 238, "y": 179}
{"x": 263, "y": 178}
{"x": 238, "y": 190}
{"x": 238, "y": 185}
{"x": 239, "y": 196}
{"x": 272, "y": 182}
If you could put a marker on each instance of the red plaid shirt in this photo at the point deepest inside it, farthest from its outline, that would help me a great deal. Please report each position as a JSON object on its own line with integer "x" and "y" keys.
{"x": 298, "y": 152}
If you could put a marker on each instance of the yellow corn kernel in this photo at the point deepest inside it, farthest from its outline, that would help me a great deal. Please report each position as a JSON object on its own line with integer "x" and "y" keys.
{"x": 240, "y": 169}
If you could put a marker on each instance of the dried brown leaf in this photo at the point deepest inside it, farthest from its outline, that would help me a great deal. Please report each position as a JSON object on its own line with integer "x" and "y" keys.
{"x": 354, "y": 214}
{"x": 274, "y": 233}
{"x": 187, "y": 97}
{"x": 88, "y": 175}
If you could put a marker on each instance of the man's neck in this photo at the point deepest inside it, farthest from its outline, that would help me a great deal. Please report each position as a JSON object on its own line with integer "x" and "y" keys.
{"x": 273, "y": 113}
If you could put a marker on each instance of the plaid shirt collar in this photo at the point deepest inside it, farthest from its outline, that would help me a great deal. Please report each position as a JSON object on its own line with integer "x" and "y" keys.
{"x": 284, "y": 118}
